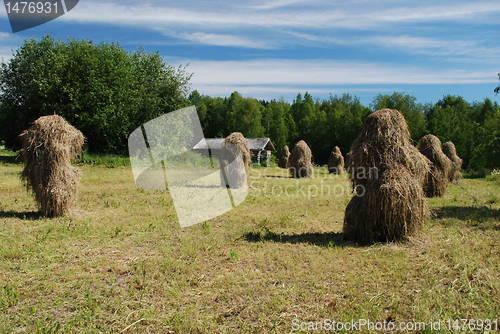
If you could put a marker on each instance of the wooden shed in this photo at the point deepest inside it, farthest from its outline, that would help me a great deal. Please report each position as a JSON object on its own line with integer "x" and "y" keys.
{"x": 258, "y": 147}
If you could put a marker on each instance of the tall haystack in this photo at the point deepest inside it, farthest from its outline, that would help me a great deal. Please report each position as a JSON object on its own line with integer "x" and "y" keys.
{"x": 387, "y": 172}
{"x": 235, "y": 171}
{"x": 48, "y": 147}
{"x": 299, "y": 162}
{"x": 456, "y": 163}
{"x": 283, "y": 157}
{"x": 336, "y": 161}
{"x": 436, "y": 182}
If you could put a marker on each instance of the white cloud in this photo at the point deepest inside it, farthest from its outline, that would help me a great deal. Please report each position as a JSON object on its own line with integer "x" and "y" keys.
{"x": 223, "y": 40}
{"x": 289, "y": 23}
{"x": 272, "y": 78}
{"x": 277, "y": 4}
{"x": 468, "y": 11}
{"x": 361, "y": 16}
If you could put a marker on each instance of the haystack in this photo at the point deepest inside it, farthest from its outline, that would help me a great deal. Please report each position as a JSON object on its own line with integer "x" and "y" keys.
{"x": 234, "y": 171}
{"x": 456, "y": 163}
{"x": 436, "y": 182}
{"x": 283, "y": 157}
{"x": 48, "y": 147}
{"x": 387, "y": 172}
{"x": 299, "y": 162}
{"x": 336, "y": 161}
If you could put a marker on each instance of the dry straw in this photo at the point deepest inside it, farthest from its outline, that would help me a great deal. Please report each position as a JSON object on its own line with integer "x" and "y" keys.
{"x": 336, "y": 161}
{"x": 234, "y": 172}
{"x": 48, "y": 147}
{"x": 456, "y": 163}
{"x": 299, "y": 161}
{"x": 436, "y": 181}
{"x": 283, "y": 157}
{"x": 388, "y": 173}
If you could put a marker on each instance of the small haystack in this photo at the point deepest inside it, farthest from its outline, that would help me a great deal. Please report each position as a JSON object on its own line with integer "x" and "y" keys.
{"x": 387, "y": 172}
{"x": 456, "y": 163}
{"x": 283, "y": 157}
{"x": 336, "y": 161}
{"x": 436, "y": 181}
{"x": 48, "y": 147}
{"x": 234, "y": 172}
{"x": 299, "y": 161}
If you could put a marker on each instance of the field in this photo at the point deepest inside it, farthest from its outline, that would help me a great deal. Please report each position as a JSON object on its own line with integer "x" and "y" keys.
{"x": 275, "y": 264}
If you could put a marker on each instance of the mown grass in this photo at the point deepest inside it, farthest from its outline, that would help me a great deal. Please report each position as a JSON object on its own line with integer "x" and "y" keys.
{"x": 121, "y": 263}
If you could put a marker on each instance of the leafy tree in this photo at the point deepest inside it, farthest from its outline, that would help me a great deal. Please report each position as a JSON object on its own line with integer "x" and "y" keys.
{"x": 452, "y": 119}
{"x": 408, "y": 106}
{"x": 302, "y": 111}
{"x": 486, "y": 154}
{"x": 345, "y": 117}
{"x": 245, "y": 115}
{"x": 276, "y": 122}
{"x": 100, "y": 89}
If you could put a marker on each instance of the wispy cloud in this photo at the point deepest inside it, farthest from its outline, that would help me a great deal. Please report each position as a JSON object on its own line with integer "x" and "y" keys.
{"x": 287, "y": 72}
{"x": 223, "y": 40}
{"x": 346, "y": 16}
{"x": 277, "y": 4}
{"x": 271, "y": 24}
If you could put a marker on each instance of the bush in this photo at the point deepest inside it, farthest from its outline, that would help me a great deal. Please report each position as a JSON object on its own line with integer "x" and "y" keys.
{"x": 100, "y": 89}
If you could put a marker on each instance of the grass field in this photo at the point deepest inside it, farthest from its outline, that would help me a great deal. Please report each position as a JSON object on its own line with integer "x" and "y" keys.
{"x": 276, "y": 263}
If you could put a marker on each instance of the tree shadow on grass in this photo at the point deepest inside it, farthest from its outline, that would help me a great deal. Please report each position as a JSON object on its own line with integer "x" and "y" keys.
{"x": 474, "y": 216}
{"x": 11, "y": 159}
{"x": 331, "y": 239}
{"x": 279, "y": 176}
{"x": 27, "y": 215}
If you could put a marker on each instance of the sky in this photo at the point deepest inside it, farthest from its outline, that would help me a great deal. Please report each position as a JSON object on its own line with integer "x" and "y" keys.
{"x": 272, "y": 49}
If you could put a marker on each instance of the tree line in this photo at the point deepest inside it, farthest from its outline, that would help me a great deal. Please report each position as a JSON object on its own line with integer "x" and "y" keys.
{"x": 107, "y": 92}
{"x": 474, "y": 128}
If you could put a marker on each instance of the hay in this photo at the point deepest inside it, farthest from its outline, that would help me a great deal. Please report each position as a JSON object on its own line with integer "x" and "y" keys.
{"x": 236, "y": 175}
{"x": 336, "y": 161}
{"x": 299, "y": 161}
{"x": 456, "y": 163}
{"x": 387, "y": 172}
{"x": 436, "y": 181}
{"x": 48, "y": 147}
{"x": 283, "y": 157}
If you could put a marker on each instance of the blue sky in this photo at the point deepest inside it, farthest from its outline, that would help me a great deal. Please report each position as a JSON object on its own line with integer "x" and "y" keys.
{"x": 279, "y": 48}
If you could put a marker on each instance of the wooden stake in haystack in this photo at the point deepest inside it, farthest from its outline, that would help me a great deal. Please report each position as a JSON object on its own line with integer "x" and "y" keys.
{"x": 387, "y": 172}
{"x": 235, "y": 171}
{"x": 456, "y": 163}
{"x": 436, "y": 182}
{"x": 300, "y": 160}
{"x": 283, "y": 157}
{"x": 336, "y": 161}
{"x": 48, "y": 147}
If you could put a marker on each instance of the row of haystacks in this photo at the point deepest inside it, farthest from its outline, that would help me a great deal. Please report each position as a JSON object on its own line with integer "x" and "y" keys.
{"x": 390, "y": 176}
{"x": 48, "y": 147}
{"x": 389, "y": 197}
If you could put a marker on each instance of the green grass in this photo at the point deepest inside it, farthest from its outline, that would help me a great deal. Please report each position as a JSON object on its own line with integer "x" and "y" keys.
{"x": 102, "y": 160}
{"x": 121, "y": 262}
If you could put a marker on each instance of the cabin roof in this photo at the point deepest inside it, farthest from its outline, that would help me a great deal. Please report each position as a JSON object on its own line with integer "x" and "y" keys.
{"x": 255, "y": 144}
